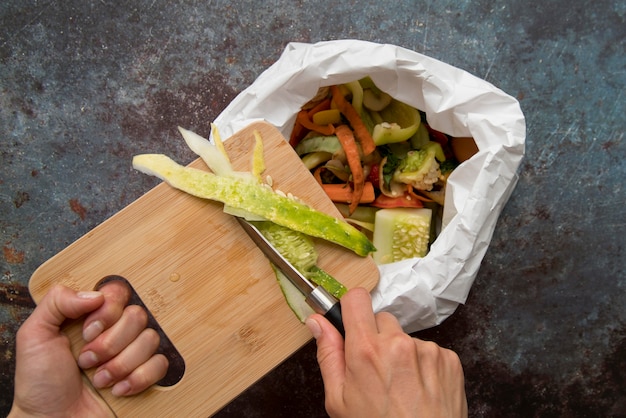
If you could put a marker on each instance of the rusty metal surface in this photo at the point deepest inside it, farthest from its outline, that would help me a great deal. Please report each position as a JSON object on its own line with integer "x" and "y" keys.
{"x": 86, "y": 85}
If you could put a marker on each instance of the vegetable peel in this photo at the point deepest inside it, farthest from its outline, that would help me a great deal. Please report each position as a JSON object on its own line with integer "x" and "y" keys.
{"x": 252, "y": 196}
{"x": 300, "y": 251}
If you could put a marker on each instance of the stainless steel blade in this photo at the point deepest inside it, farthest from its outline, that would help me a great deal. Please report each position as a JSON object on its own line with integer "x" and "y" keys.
{"x": 302, "y": 283}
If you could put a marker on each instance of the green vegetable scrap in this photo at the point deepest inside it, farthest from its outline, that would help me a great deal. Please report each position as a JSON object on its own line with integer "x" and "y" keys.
{"x": 399, "y": 122}
{"x": 294, "y": 298}
{"x": 328, "y": 144}
{"x": 374, "y": 98}
{"x": 300, "y": 251}
{"x": 401, "y": 233}
{"x": 420, "y": 167}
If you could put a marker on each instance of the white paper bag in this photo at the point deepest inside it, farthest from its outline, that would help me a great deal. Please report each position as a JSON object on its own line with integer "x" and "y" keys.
{"x": 422, "y": 292}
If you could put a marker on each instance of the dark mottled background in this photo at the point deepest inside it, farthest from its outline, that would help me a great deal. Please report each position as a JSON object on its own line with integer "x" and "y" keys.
{"x": 86, "y": 84}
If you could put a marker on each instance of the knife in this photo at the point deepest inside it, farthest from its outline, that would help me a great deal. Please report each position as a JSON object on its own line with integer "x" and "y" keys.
{"x": 316, "y": 296}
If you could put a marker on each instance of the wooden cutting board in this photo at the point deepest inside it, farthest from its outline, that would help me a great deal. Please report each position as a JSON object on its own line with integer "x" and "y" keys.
{"x": 205, "y": 282}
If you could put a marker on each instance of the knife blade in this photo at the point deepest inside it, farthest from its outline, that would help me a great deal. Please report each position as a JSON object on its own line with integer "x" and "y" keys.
{"x": 318, "y": 298}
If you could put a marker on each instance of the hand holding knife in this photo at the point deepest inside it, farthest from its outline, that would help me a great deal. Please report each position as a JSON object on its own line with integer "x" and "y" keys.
{"x": 317, "y": 297}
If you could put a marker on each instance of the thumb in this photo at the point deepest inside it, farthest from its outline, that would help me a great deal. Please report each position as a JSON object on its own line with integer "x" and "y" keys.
{"x": 59, "y": 304}
{"x": 330, "y": 352}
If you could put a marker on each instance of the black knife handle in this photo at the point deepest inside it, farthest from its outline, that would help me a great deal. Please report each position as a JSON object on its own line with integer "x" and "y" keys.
{"x": 334, "y": 317}
{"x": 326, "y": 304}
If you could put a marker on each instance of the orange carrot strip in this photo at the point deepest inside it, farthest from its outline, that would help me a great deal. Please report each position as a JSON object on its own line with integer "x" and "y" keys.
{"x": 304, "y": 120}
{"x": 343, "y": 193}
{"x": 323, "y": 105}
{"x": 317, "y": 174}
{"x": 349, "y": 145}
{"x": 403, "y": 201}
{"x": 360, "y": 131}
{"x": 297, "y": 134}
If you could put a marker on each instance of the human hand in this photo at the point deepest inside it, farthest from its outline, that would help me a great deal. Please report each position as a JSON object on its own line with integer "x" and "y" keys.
{"x": 48, "y": 379}
{"x": 380, "y": 371}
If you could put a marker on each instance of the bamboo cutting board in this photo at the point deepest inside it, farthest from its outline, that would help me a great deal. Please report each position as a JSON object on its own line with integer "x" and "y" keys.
{"x": 205, "y": 282}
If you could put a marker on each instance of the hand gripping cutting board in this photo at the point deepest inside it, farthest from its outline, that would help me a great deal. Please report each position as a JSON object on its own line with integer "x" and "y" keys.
{"x": 205, "y": 282}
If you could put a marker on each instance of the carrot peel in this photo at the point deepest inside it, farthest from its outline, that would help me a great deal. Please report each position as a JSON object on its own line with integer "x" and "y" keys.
{"x": 349, "y": 145}
{"x": 297, "y": 134}
{"x": 343, "y": 193}
{"x": 323, "y": 105}
{"x": 303, "y": 119}
{"x": 360, "y": 130}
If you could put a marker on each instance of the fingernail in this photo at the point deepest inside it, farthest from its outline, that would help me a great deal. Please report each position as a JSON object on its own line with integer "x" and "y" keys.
{"x": 121, "y": 388}
{"x": 93, "y": 330}
{"x": 87, "y": 360}
{"x": 102, "y": 378}
{"x": 314, "y": 327}
{"x": 88, "y": 294}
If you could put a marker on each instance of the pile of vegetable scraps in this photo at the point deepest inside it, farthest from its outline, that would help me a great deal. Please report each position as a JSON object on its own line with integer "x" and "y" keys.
{"x": 381, "y": 163}
{"x": 284, "y": 220}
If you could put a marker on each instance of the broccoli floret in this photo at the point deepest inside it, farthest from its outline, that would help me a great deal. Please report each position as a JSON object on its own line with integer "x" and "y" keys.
{"x": 420, "y": 168}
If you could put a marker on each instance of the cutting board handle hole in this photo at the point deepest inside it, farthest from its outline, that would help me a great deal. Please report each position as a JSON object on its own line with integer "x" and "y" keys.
{"x": 176, "y": 368}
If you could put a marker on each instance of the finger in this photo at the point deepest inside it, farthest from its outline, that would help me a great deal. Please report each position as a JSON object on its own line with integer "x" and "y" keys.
{"x": 450, "y": 363}
{"x": 387, "y": 323}
{"x": 357, "y": 312}
{"x": 133, "y": 356}
{"x": 441, "y": 368}
{"x": 454, "y": 380}
{"x": 330, "y": 353}
{"x": 116, "y": 297}
{"x": 112, "y": 341}
{"x": 59, "y": 304}
{"x": 142, "y": 377}
{"x": 454, "y": 373}
{"x": 434, "y": 360}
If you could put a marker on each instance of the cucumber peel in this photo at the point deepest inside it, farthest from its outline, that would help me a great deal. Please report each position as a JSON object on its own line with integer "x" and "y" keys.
{"x": 296, "y": 247}
{"x": 255, "y": 198}
{"x": 294, "y": 298}
{"x": 328, "y": 282}
{"x": 300, "y": 251}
